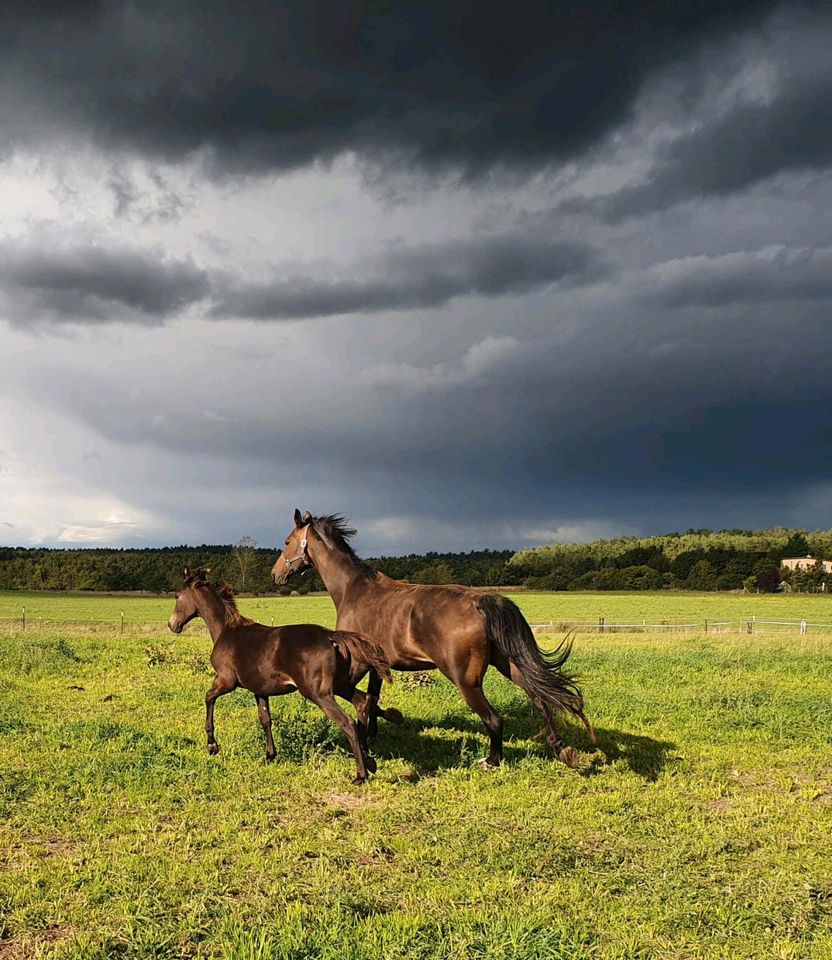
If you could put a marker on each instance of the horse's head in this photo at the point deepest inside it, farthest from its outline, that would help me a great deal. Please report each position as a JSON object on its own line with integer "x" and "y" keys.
{"x": 295, "y": 555}
{"x": 186, "y": 600}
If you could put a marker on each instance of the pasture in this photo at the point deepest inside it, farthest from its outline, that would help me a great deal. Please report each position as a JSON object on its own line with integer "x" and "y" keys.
{"x": 55, "y": 608}
{"x": 702, "y": 830}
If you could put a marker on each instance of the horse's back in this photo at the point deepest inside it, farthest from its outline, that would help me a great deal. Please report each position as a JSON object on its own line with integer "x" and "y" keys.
{"x": 417, "y": 625}
{"x": 271, "y": 660}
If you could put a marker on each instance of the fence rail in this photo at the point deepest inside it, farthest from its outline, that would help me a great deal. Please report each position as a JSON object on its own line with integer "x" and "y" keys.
{"x": 113, "y": 625}
{"x": 749, "y": 625}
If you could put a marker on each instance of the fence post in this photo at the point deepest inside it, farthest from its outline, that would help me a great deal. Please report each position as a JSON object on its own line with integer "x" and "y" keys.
{"x": 749, "y": 625}
{"x": 803, "y": 628}
{"x": 122, "y": 621}
{"x": 24, "y": 618}
{"x": 600, "y": 624}
{"x": 706, "y": 626}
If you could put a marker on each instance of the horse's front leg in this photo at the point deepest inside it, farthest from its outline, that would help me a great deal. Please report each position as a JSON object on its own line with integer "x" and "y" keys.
{"x": 361, "y": 702}
{"x": 391, "y": 714}
{"x": 373, "y": 693}
{"x": 218, "y": 688}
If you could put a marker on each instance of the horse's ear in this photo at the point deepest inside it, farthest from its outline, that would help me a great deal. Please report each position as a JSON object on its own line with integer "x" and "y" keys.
{"x": 307, "y": 517}
{"x": 298, "y": 518}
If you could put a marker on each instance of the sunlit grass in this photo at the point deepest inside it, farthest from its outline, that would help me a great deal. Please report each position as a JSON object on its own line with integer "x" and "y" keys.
{"x": 652, "y": 607}
{"x": 703, "y": 834}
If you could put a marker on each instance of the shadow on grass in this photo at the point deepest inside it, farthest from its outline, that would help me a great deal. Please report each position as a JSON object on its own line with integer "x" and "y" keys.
{"x": 643, "y": 755}
{"x": 428, "y": 753}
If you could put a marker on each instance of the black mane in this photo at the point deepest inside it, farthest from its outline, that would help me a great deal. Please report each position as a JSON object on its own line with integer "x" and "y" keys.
{"x": 335, "y": 531}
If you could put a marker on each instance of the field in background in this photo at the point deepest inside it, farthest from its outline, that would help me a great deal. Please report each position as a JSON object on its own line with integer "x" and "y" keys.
{"x": 538, "y": 607}
{"x": 700, "y": 830}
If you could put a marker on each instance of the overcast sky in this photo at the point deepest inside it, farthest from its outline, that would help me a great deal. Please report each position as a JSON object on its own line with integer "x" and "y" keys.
{"x": 472, "y": 273}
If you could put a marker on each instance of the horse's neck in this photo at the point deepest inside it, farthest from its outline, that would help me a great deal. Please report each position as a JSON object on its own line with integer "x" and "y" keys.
{"x": 212, "y": 610}
{"x": 338, "y": 573}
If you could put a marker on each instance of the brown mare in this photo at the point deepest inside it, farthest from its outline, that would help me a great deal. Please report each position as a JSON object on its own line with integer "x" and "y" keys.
{"x": 455, "y": 629}
{"x": 270, "y": 661}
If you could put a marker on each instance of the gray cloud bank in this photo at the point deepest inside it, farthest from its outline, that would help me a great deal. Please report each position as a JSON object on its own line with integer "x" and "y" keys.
{"x": 93, "y": 284}
{"x": 424, "y": 276}
{"x": 85, "y": 283}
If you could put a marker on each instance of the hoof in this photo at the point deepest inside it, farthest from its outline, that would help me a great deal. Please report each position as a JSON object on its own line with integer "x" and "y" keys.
{"x": 392, "y": 715}
{"x": 571, "y": 757}
{"x": 270, "y": 757}
{"x": 358, "y": 781}
{"x": 213, "y": 748}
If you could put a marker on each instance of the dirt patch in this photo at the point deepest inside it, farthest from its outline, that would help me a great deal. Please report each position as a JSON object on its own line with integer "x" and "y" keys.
{"x": 340, "y": 800}
{"x": 22, "y": 948}
{"x": 54, "y": 846}
{"x": 21, "y": 852}
{"x": 818, "y": 786}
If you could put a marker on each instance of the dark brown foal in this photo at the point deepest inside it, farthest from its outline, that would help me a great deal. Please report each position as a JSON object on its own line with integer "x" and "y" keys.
{"x": 269, "y": 661}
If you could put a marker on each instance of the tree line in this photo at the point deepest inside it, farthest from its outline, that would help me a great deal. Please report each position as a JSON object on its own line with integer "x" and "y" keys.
{"x": 244, "y": 565}
{"x": 695, "y": 560}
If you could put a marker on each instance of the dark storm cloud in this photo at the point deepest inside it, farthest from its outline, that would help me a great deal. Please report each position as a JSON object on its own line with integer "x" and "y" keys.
{"x": 94, "y": 284}
{"x": 647, "y": 373}
{"x": 726, "y": 403}
{"x": 423, "y": 276}
{"x": 728, "y": 154}
{"x": 466, "y": 85}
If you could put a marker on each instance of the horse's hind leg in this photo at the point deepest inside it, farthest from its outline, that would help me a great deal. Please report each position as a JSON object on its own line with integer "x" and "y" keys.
{"x": 328, "y": 704}
{"x": 266, "y": 722}
{"x": 569, "y": 755}
{"x": 219, "y": 687}
{"x": 478, "y": 702}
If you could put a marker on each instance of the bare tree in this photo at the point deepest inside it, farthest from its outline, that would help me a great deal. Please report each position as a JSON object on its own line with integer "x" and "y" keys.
{"x": 244, "y": 556}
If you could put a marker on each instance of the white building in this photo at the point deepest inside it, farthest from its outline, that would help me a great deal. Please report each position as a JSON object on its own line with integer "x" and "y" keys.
{"x": 805, "y": 563}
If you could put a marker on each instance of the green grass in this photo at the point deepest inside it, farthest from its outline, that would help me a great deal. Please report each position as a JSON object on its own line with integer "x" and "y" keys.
{"x": 704, "y": 832}
{"x": 106, "y": 608}
{"x": 538, "y": 607}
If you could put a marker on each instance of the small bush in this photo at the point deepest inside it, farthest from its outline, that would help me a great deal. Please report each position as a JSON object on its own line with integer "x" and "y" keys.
{"x": 302, "y": 731}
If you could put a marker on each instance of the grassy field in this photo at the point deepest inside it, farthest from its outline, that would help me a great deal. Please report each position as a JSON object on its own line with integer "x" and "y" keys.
{"x": 701, "y": 829}
{"x": 538, "y": 607}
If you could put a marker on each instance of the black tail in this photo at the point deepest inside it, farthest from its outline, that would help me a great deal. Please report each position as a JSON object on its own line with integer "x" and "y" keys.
{"x": 541, "y": 674}
{"x": 362, "y": 650}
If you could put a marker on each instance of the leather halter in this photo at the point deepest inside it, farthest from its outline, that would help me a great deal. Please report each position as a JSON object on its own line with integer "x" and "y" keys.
{"x": 303, "y": 555}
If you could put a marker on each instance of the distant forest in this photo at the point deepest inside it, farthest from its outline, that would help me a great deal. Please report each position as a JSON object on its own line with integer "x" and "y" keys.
{"x": 246, "y": 568}
{"x": 696, "y": 560}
